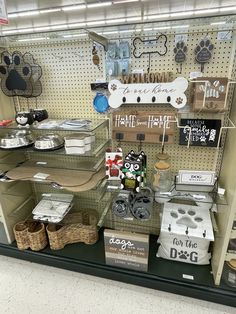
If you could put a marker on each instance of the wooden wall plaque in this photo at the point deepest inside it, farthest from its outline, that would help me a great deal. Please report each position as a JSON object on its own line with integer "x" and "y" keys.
{"x": 127, "y": 126}
{"x": 126, "y": 249}
{"x": 215, "y": 93}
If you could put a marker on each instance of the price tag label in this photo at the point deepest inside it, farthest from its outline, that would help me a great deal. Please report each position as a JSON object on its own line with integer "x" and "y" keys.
{"x": 41, "y": 176}
{"x": 190, "y": 277}
{"x": 224, "y": 35}
{"x": 181, "y": 37}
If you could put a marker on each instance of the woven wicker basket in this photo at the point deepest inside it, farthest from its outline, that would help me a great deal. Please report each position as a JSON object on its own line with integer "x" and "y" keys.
{"x": 30, "y": 235}
{"x": 79, "y": 227}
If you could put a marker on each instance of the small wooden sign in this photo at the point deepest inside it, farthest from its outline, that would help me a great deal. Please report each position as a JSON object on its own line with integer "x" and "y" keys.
{"x": 126, "y": 249}
{"x": 204, "y": 132}
{"x": 214, "y": 89}
{"x": 151, "y": 77}
{"x": 149, "y": 124}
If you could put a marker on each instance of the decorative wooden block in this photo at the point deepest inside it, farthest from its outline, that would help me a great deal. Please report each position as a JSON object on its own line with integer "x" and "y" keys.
{"x": 186, "y": 232}
{"x": 215, "y": 93}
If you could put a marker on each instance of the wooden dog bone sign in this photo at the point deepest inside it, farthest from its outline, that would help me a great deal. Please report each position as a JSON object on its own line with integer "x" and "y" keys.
{"x": 148, "y": 93}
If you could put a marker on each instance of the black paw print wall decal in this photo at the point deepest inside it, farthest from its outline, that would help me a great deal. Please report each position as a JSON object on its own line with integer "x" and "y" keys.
{"x": 203, "y": 52}
{"x": 20, "y": 75}
{"x": 180, "y": 54}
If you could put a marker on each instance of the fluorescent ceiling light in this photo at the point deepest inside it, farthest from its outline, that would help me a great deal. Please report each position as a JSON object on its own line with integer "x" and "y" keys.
{"x": 42, "y": 28}
{"x": 74, "y": 7}
{"x": 28, "y": 13}
{"x": 180, "y": 26}
{"x": 12, "y": 15}
{"x": 124, "y": 1}
{"x": 148, "y": 29}
{"x": 33, "y": 39}
{"x": 95, "y": 23}
{"x": 50, "y": 10}
{"x": 227, "y": 9}
{"x": 59, "y": 26}
{"x": 184, "y": 13}
{"x": 131, "y": 19}
{"x": 100, "y": 4}
{"x": 157, "y": 16}
{"x": 25, "y": 30}
{"x": 116, "y": 21}
{"x": 218, "y": 23}
{"x": 162, "y": 27}
{"x": 111, "y": 32}
{"x": 76, "y": 25}
{"x": 10, "y": 31}
{"x": 127, "y": 31}
{"x": 74, "y": 35}
{"x": 206, "y": 11}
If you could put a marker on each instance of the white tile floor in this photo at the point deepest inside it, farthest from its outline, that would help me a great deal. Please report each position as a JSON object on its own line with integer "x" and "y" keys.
{"x": 31, "y": 288}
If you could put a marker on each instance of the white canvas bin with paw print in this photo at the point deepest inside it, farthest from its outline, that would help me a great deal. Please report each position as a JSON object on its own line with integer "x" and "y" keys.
{"x": 186, "y": 233}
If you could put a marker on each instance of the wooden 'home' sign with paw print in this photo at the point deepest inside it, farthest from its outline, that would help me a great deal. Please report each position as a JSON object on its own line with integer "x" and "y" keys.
{"x": 151, "y": 125}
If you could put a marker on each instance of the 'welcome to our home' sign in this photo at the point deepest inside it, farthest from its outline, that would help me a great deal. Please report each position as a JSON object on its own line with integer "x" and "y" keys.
{"x": 126, "y": 249}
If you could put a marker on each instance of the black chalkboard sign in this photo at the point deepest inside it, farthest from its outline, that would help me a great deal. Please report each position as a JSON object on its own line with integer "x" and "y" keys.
{"x": 204, "y": 132}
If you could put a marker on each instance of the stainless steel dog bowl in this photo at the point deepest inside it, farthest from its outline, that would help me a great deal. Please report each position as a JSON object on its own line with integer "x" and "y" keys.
{"x": 16, "y": 139}
{"x": 49, "y": 141}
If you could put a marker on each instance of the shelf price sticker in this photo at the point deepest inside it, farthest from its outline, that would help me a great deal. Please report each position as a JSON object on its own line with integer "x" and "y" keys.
{"x": 190, "y": 277}
{"x": 41, "y": 176}
{"x": 126, "y": 249}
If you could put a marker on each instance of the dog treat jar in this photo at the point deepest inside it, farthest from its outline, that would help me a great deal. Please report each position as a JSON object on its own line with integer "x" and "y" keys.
{"x": 161, "y": 176}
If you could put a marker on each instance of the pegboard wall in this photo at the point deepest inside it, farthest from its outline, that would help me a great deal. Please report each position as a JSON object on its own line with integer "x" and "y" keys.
{"x": 68, "y": 71}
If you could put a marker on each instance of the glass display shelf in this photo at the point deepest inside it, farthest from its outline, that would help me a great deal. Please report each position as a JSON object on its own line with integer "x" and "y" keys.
{"x": 96, "y": 148}
{"x": 93, "y": 210}
{"x": 184, "y": 197}
{"x": 74, "y": 164}
{"x": 73, "y": 180}
{"x": 93, "y": 126}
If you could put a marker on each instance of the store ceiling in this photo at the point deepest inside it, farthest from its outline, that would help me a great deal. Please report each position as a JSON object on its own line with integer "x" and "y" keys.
{"x": 137, "y": 8}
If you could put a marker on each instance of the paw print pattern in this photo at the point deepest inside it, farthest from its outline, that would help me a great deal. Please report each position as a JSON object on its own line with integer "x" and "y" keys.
{"x": 113, "y": 87}
{"x": 203, "y": 52}
{"x": 179, "y": 100}
{"x": 20, "y": 75}
{"x": 187, "y": 218}
{"x": 183, "y": 255}
{"x": 180, "y": 52}
{"x": 213, "y": 89}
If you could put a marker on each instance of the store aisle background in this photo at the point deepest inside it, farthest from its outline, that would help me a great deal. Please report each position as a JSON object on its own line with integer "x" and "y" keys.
{"x": 31, "y": 288}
